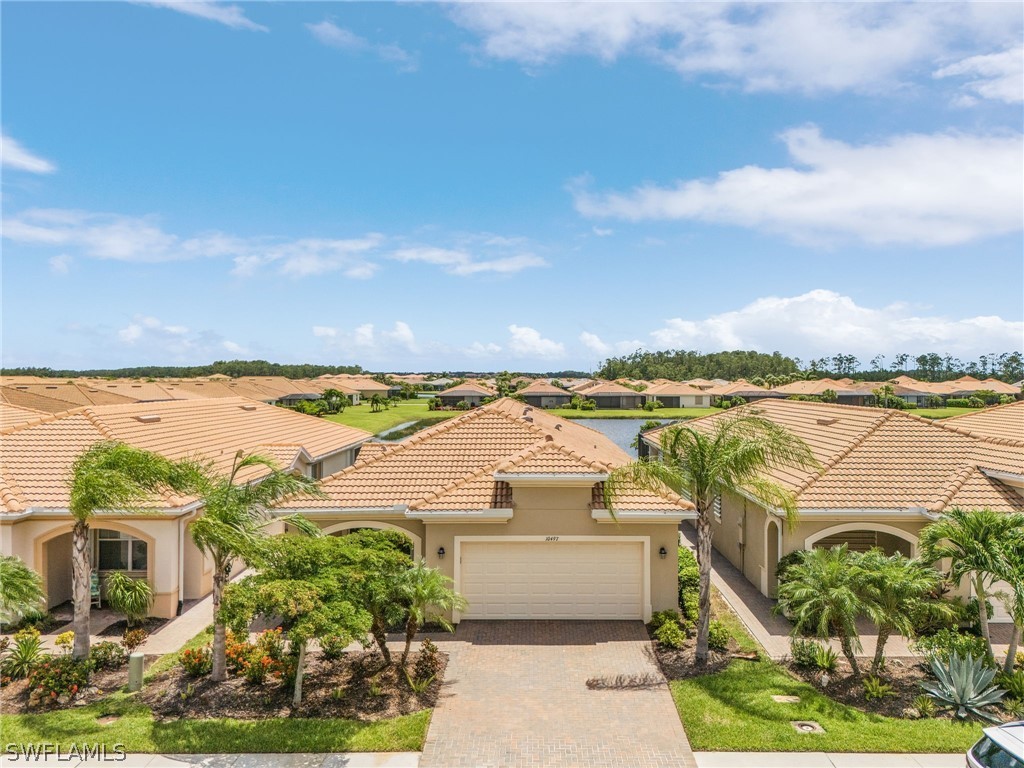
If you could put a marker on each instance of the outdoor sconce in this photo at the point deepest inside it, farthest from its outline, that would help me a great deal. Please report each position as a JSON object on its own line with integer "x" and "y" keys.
{"x": 440, "y": 553}
{"x": 663, "y": 553}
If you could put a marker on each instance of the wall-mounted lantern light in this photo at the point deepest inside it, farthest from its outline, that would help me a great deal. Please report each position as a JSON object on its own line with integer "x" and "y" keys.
{"x": 663, "y": 553}
{"x": 440, "y": 553}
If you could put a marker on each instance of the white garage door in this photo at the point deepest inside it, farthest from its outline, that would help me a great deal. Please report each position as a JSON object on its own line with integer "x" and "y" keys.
{"x": 552, "y": 580}
{"x": 999, "y": 591}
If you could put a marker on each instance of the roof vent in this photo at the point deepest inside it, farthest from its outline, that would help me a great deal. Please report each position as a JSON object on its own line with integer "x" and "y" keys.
{"x": 248, "y": 407}
{"x": 148, "y": 418}
{"x": 527, "y": 409}
{"x": 549, "y": 439}
{"x": 828, "y": 421}
{"x": 558, "y": 427}
{"x": 51, "y": 386}
{"x": 528, "y": 419}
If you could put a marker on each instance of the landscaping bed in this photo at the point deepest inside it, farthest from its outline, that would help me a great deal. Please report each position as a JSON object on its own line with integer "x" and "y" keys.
{"x": 14, "y": 694}
{"x": 903, "y": 675}
{"x": 356, "y": 686}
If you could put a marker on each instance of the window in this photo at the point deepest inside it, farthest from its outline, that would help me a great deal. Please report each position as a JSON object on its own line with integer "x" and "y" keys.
{"x": 116, "y": 551}
{"x": 316, "y": 471}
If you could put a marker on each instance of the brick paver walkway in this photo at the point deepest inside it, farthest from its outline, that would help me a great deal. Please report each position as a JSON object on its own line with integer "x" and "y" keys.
{"x": 554, "y": 693}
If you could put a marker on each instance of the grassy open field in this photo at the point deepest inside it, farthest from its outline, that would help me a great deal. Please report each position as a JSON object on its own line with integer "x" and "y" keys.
{"x": 942, "y": 413}
{"x": 361, "y": 417}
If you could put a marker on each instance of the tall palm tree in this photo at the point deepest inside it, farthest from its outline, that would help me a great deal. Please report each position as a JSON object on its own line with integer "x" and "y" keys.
{"x": 972, "y": 540}
{"x": 1011, "y": 570}
{"x": 897, "y": 591}
{"x": 427, "y": 594}
{"x": 21, "y": 589}
{"x": 233, "y": 524}
{"x": 112, "y": 477}
{"x": 733, "y": 456}
{"x": 823, "y": 594}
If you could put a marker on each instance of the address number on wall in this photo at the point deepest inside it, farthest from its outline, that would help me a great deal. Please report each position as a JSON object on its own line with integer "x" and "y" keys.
{"x": 550, "y": 538}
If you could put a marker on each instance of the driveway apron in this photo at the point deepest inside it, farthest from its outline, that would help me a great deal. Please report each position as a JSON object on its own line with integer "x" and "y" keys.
{"x": 554, "y": 693}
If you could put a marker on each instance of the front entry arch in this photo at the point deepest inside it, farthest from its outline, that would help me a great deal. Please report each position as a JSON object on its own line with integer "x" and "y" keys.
{"x": 865, "y": 527}
{"x": 348, "y": 525}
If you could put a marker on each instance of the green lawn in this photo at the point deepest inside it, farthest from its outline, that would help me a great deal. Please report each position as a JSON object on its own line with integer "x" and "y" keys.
{"x": 361, "y": 417}
{"x": 636, "y": 413}
{"x": 732, "y": 711}
{"x": 942, "y": 413}
{"x": 137, "y": 731}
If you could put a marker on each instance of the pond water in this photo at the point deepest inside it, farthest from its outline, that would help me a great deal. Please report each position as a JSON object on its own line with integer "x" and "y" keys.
{"x": 384, "y": 435}
{"x": 622, "y": 432}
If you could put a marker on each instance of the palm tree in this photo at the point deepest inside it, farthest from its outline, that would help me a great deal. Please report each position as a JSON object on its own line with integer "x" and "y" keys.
{"x": 823, "y": 594}
{"x": 427, "y": 595}
{"x": 112, "y": 476}
{"x": 733, "y": 456}
{"x": 897, "y": 591}
{"x": 21, "y": 589}
{"x": 972, "y": 540}
{"x": 1011, "y": 570}
{"x": 233, "y": 525}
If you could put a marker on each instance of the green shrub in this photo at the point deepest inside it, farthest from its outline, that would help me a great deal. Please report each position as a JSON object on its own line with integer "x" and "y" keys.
{"x": 786, "y": 562}
{"x": 718, "y": 636}
{"x": 24, "y": 655}
{"x": 925, "y": 705}
{"x": 909, "y": 406}
{"x": 133, "y": 638}
{"x": 946, "y": 642}
{"x": 588, "y": 405}
{"x": 196, "y": 661}
{"x": 1013, "y": 684}
{"x": 462, "y": 405}
{"x": 658, "y": 618}
{"x": 65, "y": 641}
{"x": 107, "y": 655}
{"x": 826, "y": 659}
{"x": 964, "y": 684}
{"x": 804, "y": 652}
{"x": 652, "y": 405}
{"x": 875, "y": 688}
{"x": 670, "y": 635}
{"x": 957, "y": 402}
{"x": 333, "y": 648}
{"x": 59, "y": 676}
{"x": 428, "y": 662}
{"x": 270, "y": 643}
{"x": 128, "y": 596}
{"x": 689, "y": 584}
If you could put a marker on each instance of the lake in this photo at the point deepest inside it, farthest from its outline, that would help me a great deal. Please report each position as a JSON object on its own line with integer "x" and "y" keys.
{"x": 622, "y": 432}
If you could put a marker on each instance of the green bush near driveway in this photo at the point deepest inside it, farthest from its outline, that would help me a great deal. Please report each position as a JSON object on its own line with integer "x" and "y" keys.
{"x": 733, "y": 711}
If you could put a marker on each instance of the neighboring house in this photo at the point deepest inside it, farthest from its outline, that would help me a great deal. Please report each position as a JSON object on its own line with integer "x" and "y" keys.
{"x": 544, "y": 395}
{"x": 37, "y": 456}
{"x": 474, "y": 394}
{"x": 702, "y": 384}
{"x": 507, "y": 500}
{"x": 742, "y": 388}
{"x": 14, "y": 416}
{"x": 885, "y": 475}
{"x": 608, "y": 394}
{"x": 677, "y": 394}
{"x": 437, "y": 385}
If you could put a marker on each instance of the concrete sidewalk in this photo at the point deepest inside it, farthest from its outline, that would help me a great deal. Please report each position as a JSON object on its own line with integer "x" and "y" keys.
{"x": 824, "y": 760}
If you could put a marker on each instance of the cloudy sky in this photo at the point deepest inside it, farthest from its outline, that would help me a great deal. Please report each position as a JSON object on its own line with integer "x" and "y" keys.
{"x": 526, "y": 186}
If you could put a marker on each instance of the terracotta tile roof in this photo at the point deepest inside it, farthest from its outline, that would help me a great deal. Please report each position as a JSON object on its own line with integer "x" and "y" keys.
{"x": 882, "y": 459}
{"x": 468, "y": 388}
{"x": 606, "y": 388}
{"x": 543, "y": 388}
{"x": 37, "y": 457}
{"x": 24, "y": 399}
{"x": 72, "y": 394}
{"x": 1005, "y": 421}
{"x": 372, "y": 449}
{"x": 741, "y": 388}
{"x": 13, "y": 415}
{"x": 451, "y": 466}
{"x": 673, "y": 389}
{"x": 637, "y": 500}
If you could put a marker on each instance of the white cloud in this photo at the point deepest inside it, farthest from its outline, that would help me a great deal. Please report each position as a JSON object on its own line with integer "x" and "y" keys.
{"x": 809, "y": 47}
{"x": 314, "y": 256}
{"x": 937, "y": 189}
{"x": 229, "y": 15}
{"x": 823, "y": 322}
{"x": 998, "y": 76}
{"x": 61, "y": 264}
{"x": 159, "y": 340}
{"x": 370, "y": 341}
{"x": 329, "y": 33}
{"x": 233, "y": 348}
{"x": 324, "y": 332}
{"x": 527, "y": 342}
{"x": 480, "y": 349}
{"x": 601, "y": 232}
{"x": 596, "y": 344}
{"x": 458, "y": 262}
{"x": 13, "y": 155}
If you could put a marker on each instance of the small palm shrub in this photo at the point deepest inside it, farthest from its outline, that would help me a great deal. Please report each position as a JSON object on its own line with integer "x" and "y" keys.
{"x": 925, "y": 705}
{"x": 875, "y": 688}
{"x": 804, "y": 652}
{"x": 718, "y": 636}
{"x": 128, "y": 596}
{"x": 826, "y": 659}
{"x": 108, "y": 655}
{"x": 26, "y": 652}
{"x": 964, "y": 685}
{"x": 428, "y": 662}
{"x": 946, "y": 642}
{"x": 1013, "y": 684}
{"x": 670, "y": 635}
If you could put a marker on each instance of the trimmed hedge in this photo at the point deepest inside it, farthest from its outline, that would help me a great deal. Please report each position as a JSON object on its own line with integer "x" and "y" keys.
{"x": 689, "y": 584}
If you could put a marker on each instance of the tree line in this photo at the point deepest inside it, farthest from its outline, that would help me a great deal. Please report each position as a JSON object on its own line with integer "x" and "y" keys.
{"x": 233, "y": 368}
{"x": 680, "y": 365}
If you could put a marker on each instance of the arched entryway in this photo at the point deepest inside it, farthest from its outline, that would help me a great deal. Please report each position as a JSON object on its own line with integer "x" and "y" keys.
{"x": 349, "y": 525}
{"x": 860, "y": 537}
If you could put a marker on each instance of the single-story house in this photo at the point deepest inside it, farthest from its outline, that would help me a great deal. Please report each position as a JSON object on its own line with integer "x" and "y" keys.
{"x": 35, "y": 523}
{"x": 507, "y": 500}
{"x": 468, "y": 392}
{"x": 544, "y": 395}
{"x": 608, "y": 394}
{"x": 677, "y": 394}
{"x": 884, "y": 475}
{"x": 742, "y": 388}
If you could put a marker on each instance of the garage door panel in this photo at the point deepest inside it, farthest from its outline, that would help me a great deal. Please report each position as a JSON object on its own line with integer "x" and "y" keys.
{"x": 552, "y": 580}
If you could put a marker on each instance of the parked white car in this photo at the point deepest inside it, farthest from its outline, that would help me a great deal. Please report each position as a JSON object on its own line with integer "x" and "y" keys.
{"x": 1002, "y": 746}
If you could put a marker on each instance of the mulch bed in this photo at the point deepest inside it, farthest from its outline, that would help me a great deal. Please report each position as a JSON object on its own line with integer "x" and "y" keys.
{"x": 14, "y": 695}
{"x": 118, "y": 628}
{"x": 356, "y": 686}
{"x": 903, "y": 674}
{"x": 679, "y": 664}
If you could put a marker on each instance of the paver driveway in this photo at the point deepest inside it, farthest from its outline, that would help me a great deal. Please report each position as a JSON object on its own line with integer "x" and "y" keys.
{"x": 554, "y": 693}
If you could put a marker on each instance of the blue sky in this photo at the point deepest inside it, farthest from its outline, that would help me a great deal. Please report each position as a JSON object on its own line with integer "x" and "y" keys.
{"x": 524, "y": 186}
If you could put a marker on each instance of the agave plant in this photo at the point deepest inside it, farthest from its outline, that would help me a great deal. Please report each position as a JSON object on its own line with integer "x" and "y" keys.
{"x": 965, "y": 685}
